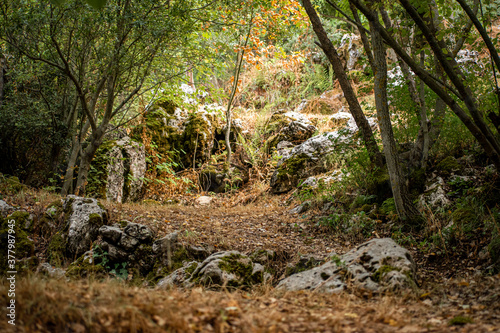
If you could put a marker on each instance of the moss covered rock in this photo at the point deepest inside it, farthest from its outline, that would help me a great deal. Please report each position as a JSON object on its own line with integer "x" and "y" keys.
{"x": 305, "y": 160}
{"x": 84, "y": 217}
{"x": 185, "y": 138}
{"x": 117, "y": 171}
{"x": 288, "y": 174}
{"x": 228, "y": 269}
{"x": 16, "y": 239}
{"x": 84, "y": 267}
{"x": 448, "y": 166}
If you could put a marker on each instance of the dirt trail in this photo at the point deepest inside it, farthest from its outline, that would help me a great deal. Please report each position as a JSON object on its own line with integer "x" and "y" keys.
{"x": 109, "y": 306}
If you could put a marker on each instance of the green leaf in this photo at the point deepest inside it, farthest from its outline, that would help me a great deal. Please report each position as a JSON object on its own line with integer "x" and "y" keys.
{"x": 57, "y": 2}
{"x": 97, "y": 4}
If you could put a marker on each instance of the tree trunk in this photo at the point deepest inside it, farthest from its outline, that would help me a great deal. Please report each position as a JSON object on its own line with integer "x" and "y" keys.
{"x": 404, "y": 206}
{"x": 350, "y": 95}
{"x": 87, "y": 157}
{"x": 70, "y": 168}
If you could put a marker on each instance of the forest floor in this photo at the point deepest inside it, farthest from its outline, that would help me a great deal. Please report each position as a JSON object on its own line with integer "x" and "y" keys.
{"x": 452, "y": 297}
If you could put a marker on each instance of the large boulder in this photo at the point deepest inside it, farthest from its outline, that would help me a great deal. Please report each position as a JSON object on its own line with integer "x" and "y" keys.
{"x": 84, "y": 217}
{"x": 228, "y": 269}
{"x": 376, "y": 266}
{"x": 221, "y": 269}
{"x": 117, "y": 171}
{"x": 302, "y": 161}
{"x": 295, "y": 132}
{"x": 186, "y": 138}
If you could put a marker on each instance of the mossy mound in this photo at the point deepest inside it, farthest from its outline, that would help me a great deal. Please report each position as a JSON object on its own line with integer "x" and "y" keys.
{"x": 186, "y": 139}
{"x": 288, "y": 174}
{"x": 84, "y": 267}
{"x": 12, "y": 234}
{"x": 56, "y": 251}
{"x": 277, "y": 122}
{"x": 11, "y": 185}
{"x": 448, "y": 166}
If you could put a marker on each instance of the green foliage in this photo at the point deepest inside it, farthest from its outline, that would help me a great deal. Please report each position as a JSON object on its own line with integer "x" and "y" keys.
{"x": 353, "y": 225}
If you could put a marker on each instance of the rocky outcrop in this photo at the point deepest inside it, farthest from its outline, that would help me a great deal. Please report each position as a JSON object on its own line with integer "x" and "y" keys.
{"x": 186, "y": 138}
{"x": 79, "y": 220}
{"x": 376, "y": 266}
{"x": 302, "y": 161}
{"x": 128, "y": 242}
{"x": 307, "y": 159}
{"x": 118, "y": 170}
{"x": 84, "y": 218}
{"x": 125, "y": 171}
{"x": 221, "y": 269}
{"x": 434, "y": 195}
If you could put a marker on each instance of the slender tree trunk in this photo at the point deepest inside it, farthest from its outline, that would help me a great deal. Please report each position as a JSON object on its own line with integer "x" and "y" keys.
{"x": 404, "y": 206}
{"x": 349, "y": 94}
{"x": 88, "y": 156}
{"x": 75, "y": 151}
{"x": 70, "y": 168}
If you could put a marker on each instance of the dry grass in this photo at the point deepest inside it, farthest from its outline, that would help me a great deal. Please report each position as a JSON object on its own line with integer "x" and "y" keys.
{"x": 90, "y": 306}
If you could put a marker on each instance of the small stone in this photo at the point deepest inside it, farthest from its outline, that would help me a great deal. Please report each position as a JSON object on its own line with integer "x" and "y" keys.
{"x": 204, "y": 200}
{"x": 5, "y": 208}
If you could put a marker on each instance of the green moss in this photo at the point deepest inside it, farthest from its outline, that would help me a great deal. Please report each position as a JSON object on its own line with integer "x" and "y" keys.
{"x": 98, "y": 173}
{"x": 380, "y": 185}
{"x": 276, "y": 123}
{"x": 56, "y": 250}
{"x": 123, "y": 223}
{"x": 382, "y": 271}
{"x": 417, "y": 181}
{"x": 292, "y": 169}
{"x": 22, "y": 220}
{"x": 460, "y": 320}
{"x": 242, "y": 268}
{"x": 69, "y": 206}
{"x": 190, "y": 269}
{"x": 24, "y": 246}
{"x": 96, "y": 219}
{"x": 85, "y": 267}
{"x": 466, "y": 219}
{"x": 12, "y": 185}
{"x": 448, "y": 166}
